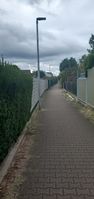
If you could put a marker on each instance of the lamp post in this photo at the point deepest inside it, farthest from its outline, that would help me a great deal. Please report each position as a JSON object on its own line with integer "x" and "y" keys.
{"x": 38, "y": 60}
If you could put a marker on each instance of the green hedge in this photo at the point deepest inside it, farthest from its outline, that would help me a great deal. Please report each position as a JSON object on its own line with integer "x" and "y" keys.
{"x": 15, "y": 101}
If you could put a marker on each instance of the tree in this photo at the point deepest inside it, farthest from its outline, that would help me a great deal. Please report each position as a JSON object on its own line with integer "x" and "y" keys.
{"x": 90, "y": 61}
{"x": 42, "y": 74}
{"x": 72, "y": 62}
{"x": 83, "y": 63}
{"x": 68, "y": 74}
{"x": 90, "y": 57}
{"x": 87, "y": 61}
{"x": 91, "y": 42}
{"x": 64, "y": 64}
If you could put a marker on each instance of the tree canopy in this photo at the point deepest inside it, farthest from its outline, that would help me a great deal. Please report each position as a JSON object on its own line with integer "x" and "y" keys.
{"x": 91, "y": 43}
{"x": 68, "y": 74}
{"x": 87, "y": 61}
{"x": 68, "y": 63}
{"x": 70, "y": 69}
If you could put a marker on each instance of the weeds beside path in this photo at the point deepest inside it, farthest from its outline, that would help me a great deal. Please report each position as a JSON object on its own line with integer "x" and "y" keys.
{"x": 86, "y": 110}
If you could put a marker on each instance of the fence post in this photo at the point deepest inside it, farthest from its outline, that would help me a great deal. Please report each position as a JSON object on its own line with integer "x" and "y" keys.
{"x": 77, "y": 89}
{"x": 86, "y": 92}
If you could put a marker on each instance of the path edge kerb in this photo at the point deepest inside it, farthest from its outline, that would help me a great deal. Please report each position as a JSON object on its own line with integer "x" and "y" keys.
{"x": 5, "y": 165}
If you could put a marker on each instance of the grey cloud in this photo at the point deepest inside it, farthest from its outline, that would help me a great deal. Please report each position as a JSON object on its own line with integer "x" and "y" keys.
{"x": 46, "y": 12}
{"x": 32, "y": 2}
{"x": 47, "y": 35}
{"x": 18, "y": 32}
{"x": 18, "y": 42}
{"x": 3, "y": 12}
{"x": 61, "y": 50}
{"x": 15, "y": 40}
{"x": 65, "y": 33}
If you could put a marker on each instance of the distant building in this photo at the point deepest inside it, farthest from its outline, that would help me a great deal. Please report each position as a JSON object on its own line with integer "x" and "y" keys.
{"x": 48, "y": 74}
{"x": 27, "y": 71}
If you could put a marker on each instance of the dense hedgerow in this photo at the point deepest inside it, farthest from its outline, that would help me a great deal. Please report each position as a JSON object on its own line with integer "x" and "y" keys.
{"x": 15, "y": 101}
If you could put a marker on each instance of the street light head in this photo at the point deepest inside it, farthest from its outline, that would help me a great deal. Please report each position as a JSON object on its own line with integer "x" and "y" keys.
{"x": 41, "y": 18}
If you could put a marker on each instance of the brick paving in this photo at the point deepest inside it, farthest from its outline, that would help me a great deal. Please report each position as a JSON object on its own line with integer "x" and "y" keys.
{"x": 61, "y": 165}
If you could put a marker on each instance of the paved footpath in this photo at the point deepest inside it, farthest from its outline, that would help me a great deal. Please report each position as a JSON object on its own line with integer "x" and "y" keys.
{"x": 61, "y": 165}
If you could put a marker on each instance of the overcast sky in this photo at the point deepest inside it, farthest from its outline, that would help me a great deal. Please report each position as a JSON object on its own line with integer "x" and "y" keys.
{"x": 65, "y": 33}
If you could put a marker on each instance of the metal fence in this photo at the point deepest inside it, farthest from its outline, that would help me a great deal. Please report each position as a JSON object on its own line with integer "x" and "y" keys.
{"x": 85, "y": 88}
{"x": 43, "y": 87}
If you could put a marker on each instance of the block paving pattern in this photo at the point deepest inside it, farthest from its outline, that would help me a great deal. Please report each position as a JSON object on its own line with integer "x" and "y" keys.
{"x": 62, "y": 156}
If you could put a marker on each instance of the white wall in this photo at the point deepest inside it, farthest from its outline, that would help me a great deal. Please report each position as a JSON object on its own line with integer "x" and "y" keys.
{"x": 43, "y": 87}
